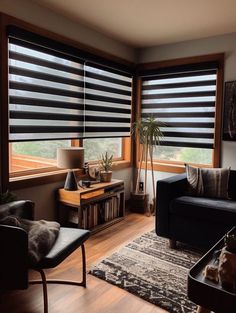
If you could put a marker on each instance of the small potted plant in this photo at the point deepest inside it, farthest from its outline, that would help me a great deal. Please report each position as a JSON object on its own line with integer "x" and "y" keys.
{"x": 7, "y": 197}
{"x": 106, "y": 167}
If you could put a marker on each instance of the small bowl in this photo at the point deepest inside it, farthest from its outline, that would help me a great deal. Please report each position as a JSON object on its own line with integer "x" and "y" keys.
{"x": 86, "y": 183}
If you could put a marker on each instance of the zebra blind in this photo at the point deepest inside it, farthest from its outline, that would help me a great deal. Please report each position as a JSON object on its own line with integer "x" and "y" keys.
{"x": 55, "y": 96}
{"x": 45, "y": 95}
{"x": 107, "y": 102}
{"x": 184, "y": 101}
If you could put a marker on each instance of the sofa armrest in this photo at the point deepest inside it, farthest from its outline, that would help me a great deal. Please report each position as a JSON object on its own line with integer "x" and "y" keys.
{"x": 14, "y": 258}
{"x": 167, "y": 190}
{"x": 21, "y": 208}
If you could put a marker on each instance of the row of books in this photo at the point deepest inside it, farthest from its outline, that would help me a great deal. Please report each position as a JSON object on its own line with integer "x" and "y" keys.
{"x": 95, "y": 214}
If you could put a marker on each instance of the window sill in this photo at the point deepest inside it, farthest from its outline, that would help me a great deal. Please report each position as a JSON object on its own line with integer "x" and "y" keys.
{"x": 119, "y": 165}
{"x": 167, "y": 167}
{"x": 52, "y": 177}
{"x": 171, "y": 167}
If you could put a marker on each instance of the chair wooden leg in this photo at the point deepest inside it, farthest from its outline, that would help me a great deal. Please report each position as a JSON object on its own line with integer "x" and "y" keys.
{"x": 45, "y": 292}
{"x": 71, "y": 282}
{"x": 83, "y": 266}
{"x": 44, "y": 281}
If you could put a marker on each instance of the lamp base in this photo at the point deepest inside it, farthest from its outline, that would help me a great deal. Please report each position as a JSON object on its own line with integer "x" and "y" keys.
{"x": 70, "y": 183}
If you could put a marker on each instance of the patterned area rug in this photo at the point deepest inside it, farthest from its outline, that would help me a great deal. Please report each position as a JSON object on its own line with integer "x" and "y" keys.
{"x": 147, "y": 268}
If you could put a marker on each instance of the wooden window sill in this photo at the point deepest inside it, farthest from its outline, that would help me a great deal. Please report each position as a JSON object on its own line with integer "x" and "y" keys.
{"x": 172, "y": 167}
{"x": 32, "y": 180}
{"x": 166, "y": 167}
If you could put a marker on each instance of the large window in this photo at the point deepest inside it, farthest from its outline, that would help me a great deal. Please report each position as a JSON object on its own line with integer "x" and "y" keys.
{"x": 183, "y": 98}
{"x": 58, "y": 96}
{"x": 37, "y": 156}
{"x": 64, "y": 97}
{"x": 34, "y": 155}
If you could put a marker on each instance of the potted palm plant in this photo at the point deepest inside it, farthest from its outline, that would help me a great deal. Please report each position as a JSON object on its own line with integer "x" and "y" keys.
{"x": 148, "y": 134}
{"x": 106, "y": 167}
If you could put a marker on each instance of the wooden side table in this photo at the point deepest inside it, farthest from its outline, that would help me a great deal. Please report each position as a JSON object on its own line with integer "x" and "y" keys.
{"x": 94, "y": 208}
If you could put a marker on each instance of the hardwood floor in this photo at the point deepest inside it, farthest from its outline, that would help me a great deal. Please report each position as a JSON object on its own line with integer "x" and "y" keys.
{"x": 99, "y": 296}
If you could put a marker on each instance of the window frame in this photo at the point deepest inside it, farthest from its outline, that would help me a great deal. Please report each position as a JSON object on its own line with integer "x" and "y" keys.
{"x": 118, "y": 163}
{"x": 178, "y": 166}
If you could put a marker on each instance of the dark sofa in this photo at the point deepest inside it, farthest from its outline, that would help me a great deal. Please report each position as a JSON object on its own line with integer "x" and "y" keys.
{"x": 197, "y": 221}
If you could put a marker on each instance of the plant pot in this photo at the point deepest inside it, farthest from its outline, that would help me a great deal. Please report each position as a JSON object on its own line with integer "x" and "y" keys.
{"x": 139, "y": 202}
{"x": 105, "y": 176}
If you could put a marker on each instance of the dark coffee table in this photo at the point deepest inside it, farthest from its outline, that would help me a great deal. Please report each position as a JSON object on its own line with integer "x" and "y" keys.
{"x": 208, "y": 295}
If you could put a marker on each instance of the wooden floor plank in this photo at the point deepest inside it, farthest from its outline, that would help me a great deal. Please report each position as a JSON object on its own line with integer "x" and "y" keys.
{"x": 99, "y": 296}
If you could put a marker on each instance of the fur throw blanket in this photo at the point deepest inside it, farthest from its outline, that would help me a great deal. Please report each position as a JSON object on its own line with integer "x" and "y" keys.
{"x": 41, "y": 235}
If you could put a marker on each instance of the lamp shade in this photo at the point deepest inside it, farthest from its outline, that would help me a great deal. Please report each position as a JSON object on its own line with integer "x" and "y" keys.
{"x": 70, "y": 157}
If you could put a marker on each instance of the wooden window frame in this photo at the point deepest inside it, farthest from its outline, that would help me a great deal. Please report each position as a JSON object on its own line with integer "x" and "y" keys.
{"x": 177, "y": 166}
{"x": 125, "y": 156}
{"x": 52, "y": 174}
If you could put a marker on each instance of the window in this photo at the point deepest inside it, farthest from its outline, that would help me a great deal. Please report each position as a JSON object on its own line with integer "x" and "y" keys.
{"x": 37, "y": 156}
{"x": 34, "y": 155}
{"x": 94, "y": 148}
{"x": 63, "y": 97}
{"x": 184, "y": 154}
{"x": 183, "y": 98}
{"x": 57, "y": 95}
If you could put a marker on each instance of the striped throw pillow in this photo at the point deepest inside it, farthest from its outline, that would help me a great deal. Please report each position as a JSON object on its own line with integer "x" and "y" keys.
{"x": 208, "y": 182}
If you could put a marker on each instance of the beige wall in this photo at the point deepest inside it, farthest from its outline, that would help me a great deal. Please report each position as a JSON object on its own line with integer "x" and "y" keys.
{"x": 40, "y": 16}
{"x": 44, "y": 197}
{"x": 224, "y": 43}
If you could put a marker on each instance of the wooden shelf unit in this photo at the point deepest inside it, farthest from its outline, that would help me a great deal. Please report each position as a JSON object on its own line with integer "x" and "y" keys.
{"x": 94, "y": 208}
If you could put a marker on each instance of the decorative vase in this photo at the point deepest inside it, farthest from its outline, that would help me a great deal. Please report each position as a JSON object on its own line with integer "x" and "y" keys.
{"x": 139, "y": 202}
{"x": 105, "y": 176}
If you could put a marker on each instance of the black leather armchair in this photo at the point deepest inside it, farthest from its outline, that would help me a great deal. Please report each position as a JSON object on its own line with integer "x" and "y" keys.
{"x": 197, "y": 221}
{"x": 14, "y": 246}
{"x": 14, "y": 264}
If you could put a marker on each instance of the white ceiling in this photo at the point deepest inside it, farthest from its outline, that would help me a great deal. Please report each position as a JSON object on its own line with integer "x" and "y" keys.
{"x": 143, "y": 23}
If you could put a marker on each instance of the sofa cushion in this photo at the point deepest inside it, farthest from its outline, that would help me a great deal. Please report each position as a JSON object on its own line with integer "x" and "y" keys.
{"x": 212, "y": 210}
{"x": 215, "y": 182}
{"x": 208, "y": 182}
{"x": 194, "y": 179}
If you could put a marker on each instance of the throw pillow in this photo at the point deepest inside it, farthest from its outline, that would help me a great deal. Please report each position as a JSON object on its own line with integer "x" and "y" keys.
{"x": 215, "y": 182}
{"x": 194, "y": 178}
{"x": 208, "y": 182}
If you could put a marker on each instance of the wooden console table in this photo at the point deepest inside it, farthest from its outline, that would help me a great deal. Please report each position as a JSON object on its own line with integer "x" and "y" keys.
{"x": 208, "y": 295}
{"x": 95, "y": 208}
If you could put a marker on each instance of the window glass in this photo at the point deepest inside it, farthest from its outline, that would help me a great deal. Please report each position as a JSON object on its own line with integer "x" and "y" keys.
{"x": 32, "y": 155}
{"x": 183, "y": 154}
{"x": 94, "y": 148}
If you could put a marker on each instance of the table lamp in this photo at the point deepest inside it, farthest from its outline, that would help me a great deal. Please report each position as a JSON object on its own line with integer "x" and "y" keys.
{"x": 70, "y": 158}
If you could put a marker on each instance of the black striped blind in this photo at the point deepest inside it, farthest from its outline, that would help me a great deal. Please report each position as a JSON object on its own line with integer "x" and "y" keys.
{"x": 184, "y": 101}
{"x": 107, "y": 102}
{"x": 46, "y": 99}
{"x": 56, "y": 96}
